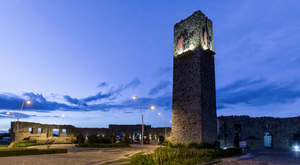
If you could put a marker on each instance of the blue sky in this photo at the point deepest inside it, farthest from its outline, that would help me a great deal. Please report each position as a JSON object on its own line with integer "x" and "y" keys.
{"x": 86, "y": 59}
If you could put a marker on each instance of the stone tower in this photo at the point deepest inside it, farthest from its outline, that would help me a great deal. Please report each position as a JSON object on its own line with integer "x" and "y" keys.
{"x": 194, "y": 116}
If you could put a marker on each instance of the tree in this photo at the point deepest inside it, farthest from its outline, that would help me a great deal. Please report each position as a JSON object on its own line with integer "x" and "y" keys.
{"x": 49, "y": 142}
{"x": 80, "y": 138}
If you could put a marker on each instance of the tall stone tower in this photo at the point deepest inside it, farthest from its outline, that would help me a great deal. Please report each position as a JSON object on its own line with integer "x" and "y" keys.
{"x": 194, "y": 116}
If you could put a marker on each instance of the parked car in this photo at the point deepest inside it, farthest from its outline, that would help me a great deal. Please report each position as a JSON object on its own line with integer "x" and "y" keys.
{"x": 146, "y": 142}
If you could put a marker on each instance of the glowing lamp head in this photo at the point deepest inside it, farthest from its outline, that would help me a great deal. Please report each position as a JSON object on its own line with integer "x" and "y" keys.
{"x": 159, "y": 113}
{"x": 134, "y": 97}
{"x": 152, "y": 107}
{"x": 170, "y": 121}
{"x": 62, "y": 115}
{"x": 296, "y": 147}
{"x": 8, "y": 113}
{"x": 28, "y": 102}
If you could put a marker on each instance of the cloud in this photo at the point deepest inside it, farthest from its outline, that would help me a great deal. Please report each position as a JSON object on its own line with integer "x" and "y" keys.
{"x": 98, "y": 96}
{"x": 128, "y": 112}
{"x": 161, "y": 85}
{"x": 257, "y": 93}
{"x": 133, "y": 84}
{"x": 71, "y": 100}
{"x": 22, "y": 115}
{"x": 161, "y": 71}
{"x": 103, "y": 84}
{"x": 39, "y": 102}
{"x": 164, "y": 101}
{"x": 10, "y": 101}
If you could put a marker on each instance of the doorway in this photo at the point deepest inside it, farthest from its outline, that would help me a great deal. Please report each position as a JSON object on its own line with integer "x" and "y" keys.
{"x": 237, "y": 134}
{"x": 268, "y": 140}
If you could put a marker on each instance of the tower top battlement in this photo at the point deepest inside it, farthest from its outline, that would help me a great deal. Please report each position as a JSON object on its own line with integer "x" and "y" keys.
{"x": 191, "y": 33}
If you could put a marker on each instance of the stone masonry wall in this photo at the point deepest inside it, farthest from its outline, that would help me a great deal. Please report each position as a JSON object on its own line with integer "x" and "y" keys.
{"x": 254, "y": 129}
{"x": 47, "y": 132}
{"x": 72, "y": 132}
{"x": 194, "y": 100}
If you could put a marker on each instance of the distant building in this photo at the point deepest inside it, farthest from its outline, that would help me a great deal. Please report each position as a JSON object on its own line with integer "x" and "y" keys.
{"x": 66, "y": 133}
{"x": 259, "y": 132}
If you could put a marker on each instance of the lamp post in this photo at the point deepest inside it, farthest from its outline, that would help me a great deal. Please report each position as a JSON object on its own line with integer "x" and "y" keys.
{"x": 8, "y": 113}
{"x": 165, "y": 125}
{"x": 170, "y": 122}
{"x": 27, "y": 102}
{"x": 59, "y": 123}
{"x": 135, "y": 97}
{"x": 152, "y": 108}
{"x": 60, "y": 118}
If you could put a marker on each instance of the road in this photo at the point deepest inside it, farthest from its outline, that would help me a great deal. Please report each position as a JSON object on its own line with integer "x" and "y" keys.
{"x": 265, "y": 157}
{"x": 76, "y": 155}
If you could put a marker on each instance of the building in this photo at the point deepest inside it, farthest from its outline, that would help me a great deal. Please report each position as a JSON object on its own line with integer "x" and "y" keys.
{"x": 259, "y": 132}
{"x": 66, "y": 133}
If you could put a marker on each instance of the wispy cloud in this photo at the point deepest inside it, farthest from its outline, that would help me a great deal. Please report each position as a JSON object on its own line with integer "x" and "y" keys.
{"x": 103, "y": 84}
{"x": 71, "y": 100}
{"x": 160, "y": 86}
{"x": 41, "y": 104}
{"x": 257, "y": 93}
{"x": 22, "y": 115}
{"x": 133, "y": 84}
{"x": 162, "y": 70}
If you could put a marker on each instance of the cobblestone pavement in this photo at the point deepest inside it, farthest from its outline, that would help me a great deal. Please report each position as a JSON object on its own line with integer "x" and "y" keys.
{"x": 264, "y": 157}
{"x": 76, "y": 156}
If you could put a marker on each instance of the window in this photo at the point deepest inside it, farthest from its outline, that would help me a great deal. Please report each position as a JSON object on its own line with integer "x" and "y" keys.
{"x": 55, "y": 132}
{"x": 64, "y": 131}
{"x": 31, "y": 130}
{"x": 40, "y": 130}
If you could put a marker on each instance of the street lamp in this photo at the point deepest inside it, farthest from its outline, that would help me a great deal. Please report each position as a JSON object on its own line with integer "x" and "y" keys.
{"x": 60, "y": 121}
{"x": 135, "y": 97}
{"x": 8, "y": 113}
{"x": 170, "y": 122}
{"x": 60, "y": 118}
{"x": 27, "y": 102}
{"x": 165, "y": 125}
{"x": 152, "y": 108}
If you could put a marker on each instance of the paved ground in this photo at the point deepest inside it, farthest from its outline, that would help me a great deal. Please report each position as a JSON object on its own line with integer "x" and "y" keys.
{"x": 94, "y": 156}
{"x": 265, "y": 157}
{"x": 76, "y": 156}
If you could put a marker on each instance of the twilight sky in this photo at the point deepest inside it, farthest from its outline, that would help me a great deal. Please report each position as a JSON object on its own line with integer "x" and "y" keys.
{"x": 86, "y": 59}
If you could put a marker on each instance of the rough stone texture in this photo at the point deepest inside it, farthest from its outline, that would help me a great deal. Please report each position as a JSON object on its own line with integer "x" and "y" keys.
{"x": 72, "y": 132}
{"x": 254, "y": 129}
{"x": 194, "y": 99}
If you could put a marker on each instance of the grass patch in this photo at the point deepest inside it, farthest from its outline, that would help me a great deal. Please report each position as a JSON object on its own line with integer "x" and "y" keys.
{"x": 27, "y": 143}
{"x": 182, "y": 154}
{"x": 3, "y": 147}
{"x": 26, "y": 151}
{"x": 123, "y": 160}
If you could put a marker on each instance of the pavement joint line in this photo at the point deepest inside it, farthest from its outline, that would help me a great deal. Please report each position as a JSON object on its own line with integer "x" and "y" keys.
{"x": 114, "y": 159}
{"x": 213, "y": 162}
